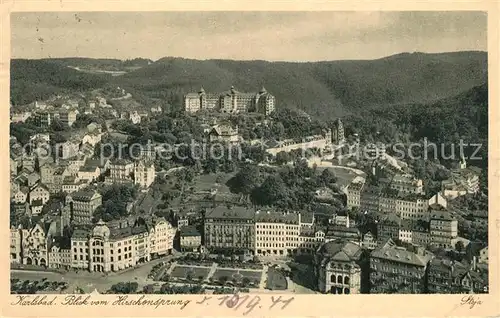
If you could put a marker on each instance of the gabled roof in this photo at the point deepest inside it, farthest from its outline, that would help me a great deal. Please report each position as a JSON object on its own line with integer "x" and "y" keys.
{"x": 341, "y": 250}
{"x": 401, "y": 255}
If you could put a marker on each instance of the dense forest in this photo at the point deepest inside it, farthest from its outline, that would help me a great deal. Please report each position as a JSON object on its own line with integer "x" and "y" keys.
{"x": 322, "y": 89}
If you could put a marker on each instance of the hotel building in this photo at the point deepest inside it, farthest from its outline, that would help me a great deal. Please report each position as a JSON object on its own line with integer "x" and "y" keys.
{"x": 231, "y": 101}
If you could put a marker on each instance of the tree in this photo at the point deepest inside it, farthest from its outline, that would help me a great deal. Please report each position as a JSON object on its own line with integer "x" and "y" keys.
{"x": 459, "y": 247}
{"x": 326, "y": 178}
{"x": 124, "y": 288}
{"x": 282, "y": 158}
{"x": 272, "y": 191}
{"x": 245, "y": 281}
{"x": 246, "y": 180}
{"x": 223, "y": 279}
{"x": 148, "y": 289}
{"x": 57, "y": 125}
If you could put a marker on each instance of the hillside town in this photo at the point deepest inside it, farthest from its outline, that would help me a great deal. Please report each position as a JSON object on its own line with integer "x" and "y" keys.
{"x": 99, "y": 189}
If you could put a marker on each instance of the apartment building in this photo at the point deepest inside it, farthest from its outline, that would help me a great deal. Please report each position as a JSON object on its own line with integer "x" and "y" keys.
{"x": 120, "y": 171}
{"x": 353, "y": 193}
{"x": 396, "y": 269}
{"x": 104, "y": 250}
{"x": 189, "y": 238}
{"x": 276, "y": 233}
{"x": 144, "y": 173}
{"x": 338, "y": 136}
{"x": 230, "y": 228}
{"x": 83, "y": 205}
{"x": 443, "y": 227}
{"x": 404, "y": 183}
{"x": 67, "y": 118}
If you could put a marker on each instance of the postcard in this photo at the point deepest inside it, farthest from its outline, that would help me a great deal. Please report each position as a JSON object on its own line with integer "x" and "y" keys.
{"x": 251, "y": 159}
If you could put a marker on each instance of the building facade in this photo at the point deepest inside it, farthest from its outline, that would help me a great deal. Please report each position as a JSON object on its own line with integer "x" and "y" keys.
{"x": 83, "y": 205}
{"x": 230, "y": 229}
{"x": 338, "y": 267}
{"x": 231, "y": 101}
{"x": 144, "y": 173}
{"x": 394, "y": 269}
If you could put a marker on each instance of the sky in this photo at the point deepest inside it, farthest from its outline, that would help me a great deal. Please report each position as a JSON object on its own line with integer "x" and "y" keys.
{"x": 272, "y": 36}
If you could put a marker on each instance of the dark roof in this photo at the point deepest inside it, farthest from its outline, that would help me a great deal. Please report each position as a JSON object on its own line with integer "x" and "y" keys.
{"x": 80, "y": 234}
{"x": 235, "y": 212}
{"x": 340, "y": 250}
{"x": 88, "y": 168}
{"x": 339, "y": 228}
{"x": 38, "y": 202}
{"x": 83, "y": 195}
{"x": 189, "y": 230}
{"x": 441, "y": 215}
{"x": 117, "y": 233}
{"x": 401, "y": 255}
{"x": 276, "y": 217}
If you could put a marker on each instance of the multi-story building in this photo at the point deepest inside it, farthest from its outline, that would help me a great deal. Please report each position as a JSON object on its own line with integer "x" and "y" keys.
{"x": 411, "y": 206}
{"x": 230, "y": 228}
{"x": 443, "y": 227}
{"x": 19, "y": 116}
{"x": 463, "y": 181}
{"x": 321, "y": 142}
{"x": 21, "y": 195}
{"x": 103, "y": 249}
{"x": 15, "y": 245}
{"x": 40, "y": 192}
{"x": 483, "y": 255}
{"x": 276, "y": 233}
{"x": 353, "y": 193}
{"x": 189, "y": 239}
{"x": 338, "y": 137}
{"x": 404, "y": 183}
{"x": 47, "y": 173}
{"x": 395, "y": 269}
{"x": 35, "y": 243}
{"x": 90, "y": 173}
{"x": 444, "y": 276}
{"x": 336, "y": 232}
{"x": 144, "y": 173}
{"x": 338, "y": 267}
{"x": 67, "y": 117}
{"x": 231, "y": 101}
{"x": 134, "y": 117}
{"x": 369, "y": 242}
{"x": 388, "y": 228}
{"x": 120, "y": 171}
{"x": 451, "y": 277}
{"x": 369, "y": 199}
{"x": 310, "y": 239}
{"x": 44, "y": 118}
{"x": 83, "y": 205}
{"x": 60, "y": 254}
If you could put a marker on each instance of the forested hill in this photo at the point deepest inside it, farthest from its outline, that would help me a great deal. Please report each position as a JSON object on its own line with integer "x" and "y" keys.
{"x": 32, "y": 80}
{"x": 322, "y": 89}
{"x": 446, "y": 121}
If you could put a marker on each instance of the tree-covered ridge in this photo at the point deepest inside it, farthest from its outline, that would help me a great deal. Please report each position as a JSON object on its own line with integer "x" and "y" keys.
{"x": 39, "y": 80}
{"x": 322, "y": 89}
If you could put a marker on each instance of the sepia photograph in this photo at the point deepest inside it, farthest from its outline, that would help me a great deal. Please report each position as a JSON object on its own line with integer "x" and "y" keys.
{"x": 248, "y": 152}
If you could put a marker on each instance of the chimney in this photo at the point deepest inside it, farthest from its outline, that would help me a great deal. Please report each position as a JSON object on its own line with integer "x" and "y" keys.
{"x": 474, "y": 263}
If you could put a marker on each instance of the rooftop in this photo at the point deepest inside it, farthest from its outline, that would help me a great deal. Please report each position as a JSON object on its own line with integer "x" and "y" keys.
{"x": 401, "y": 255}
{"x": 276, "y": 217}
{"x": 189, "y": 230}
{"x": 235, "y": 212}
